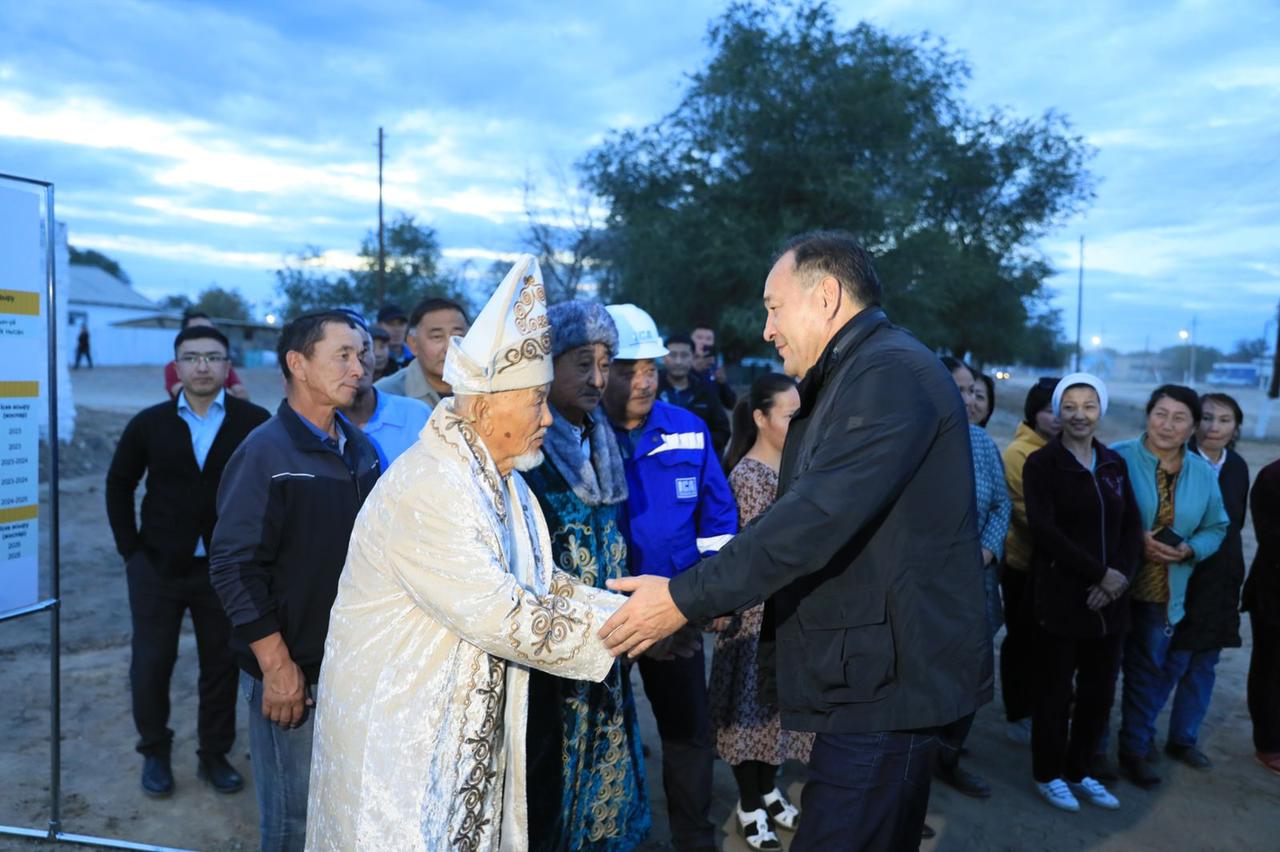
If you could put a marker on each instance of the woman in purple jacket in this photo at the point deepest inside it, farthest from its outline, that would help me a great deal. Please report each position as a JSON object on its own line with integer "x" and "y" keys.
{"x": 1086, "y": 536}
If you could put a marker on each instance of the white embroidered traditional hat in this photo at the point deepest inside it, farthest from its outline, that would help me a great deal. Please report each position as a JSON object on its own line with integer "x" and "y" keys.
{"x": 509, "y": 345}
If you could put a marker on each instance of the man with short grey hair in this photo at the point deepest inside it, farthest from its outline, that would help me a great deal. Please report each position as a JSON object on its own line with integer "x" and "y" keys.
{"x": 286, "y": 506}
{"x": 874, "y": 629}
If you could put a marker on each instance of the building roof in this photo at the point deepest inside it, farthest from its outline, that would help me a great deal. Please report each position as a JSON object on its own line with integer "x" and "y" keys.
{"x": 93, "y": 286}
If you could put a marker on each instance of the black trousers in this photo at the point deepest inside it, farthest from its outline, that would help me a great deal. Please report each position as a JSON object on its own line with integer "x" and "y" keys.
{"x": 1264, "y": 684}
{"x": 866, "y": 792}
{"x": 677, "y": 691}
{"x": 1064, "y": 736}
{"x": 157, "y": 602}
{"x": 951, "y": 739}
{"x": 1016, "y": 652}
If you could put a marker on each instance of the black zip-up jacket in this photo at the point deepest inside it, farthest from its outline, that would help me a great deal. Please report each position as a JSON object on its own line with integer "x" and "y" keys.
{"x": 1261, "y": 598}
{"x": 285, "y": 512}
{"x": 180, "y": 506}
{"x": 1082, "y": 523}
{"x": 869, "y": 559}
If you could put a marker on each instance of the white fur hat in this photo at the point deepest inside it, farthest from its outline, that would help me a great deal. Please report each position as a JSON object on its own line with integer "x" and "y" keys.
{"x": 1079, "y": 379}
{"x": 509, "y": 345}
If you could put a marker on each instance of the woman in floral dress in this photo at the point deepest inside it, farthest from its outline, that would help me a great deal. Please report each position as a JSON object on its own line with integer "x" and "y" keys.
{"x": 748, "y": 734}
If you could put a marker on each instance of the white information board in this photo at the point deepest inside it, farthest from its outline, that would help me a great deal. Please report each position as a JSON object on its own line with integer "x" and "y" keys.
{"x": 24, "y": 372}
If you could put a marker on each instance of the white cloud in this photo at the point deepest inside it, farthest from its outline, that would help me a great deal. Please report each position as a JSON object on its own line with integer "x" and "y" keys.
{"x": 202, "y": 214}
{"x": 184, "y": 251}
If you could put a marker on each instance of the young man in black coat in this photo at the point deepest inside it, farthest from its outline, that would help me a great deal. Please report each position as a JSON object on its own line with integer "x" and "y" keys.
{"x": 182, "y": 447}
{"x": 868, "y": 561}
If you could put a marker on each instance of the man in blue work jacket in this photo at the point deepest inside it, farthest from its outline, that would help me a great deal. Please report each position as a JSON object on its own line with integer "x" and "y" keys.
{"x": 679, "y": 509}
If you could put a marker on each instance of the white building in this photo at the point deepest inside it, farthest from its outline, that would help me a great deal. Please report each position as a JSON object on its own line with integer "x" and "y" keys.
{"x": 104, "y": 304}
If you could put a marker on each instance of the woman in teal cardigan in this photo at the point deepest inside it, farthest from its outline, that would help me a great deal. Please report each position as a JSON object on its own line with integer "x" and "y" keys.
{"x": 1181, "y": 506}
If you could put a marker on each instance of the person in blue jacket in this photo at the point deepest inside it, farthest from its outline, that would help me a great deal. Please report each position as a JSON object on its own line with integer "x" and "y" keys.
{"x": 1182, "y": 512}
{"x": 679, "y": 508}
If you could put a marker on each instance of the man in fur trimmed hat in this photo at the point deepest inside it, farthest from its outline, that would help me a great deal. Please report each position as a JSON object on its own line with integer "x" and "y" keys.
{"x": 421, "y": 718}
{"x": 586, "y": 765}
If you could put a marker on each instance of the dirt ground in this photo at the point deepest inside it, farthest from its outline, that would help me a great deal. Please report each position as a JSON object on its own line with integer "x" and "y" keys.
{"x": 1232, "y": 807}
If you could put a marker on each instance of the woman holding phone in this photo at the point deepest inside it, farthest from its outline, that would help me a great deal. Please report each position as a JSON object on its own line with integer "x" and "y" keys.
{"x": 1185, "y": 521}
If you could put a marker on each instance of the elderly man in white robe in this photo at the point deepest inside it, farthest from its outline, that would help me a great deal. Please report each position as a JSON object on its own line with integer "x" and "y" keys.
{"x": 448, "y": 598}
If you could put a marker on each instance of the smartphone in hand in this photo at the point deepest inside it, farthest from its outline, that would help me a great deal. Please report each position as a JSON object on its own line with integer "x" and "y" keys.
{"x": 1167, "y": 537}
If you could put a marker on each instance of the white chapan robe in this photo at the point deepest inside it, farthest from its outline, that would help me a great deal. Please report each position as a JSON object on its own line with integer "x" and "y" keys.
{"x": 448, "y": 594}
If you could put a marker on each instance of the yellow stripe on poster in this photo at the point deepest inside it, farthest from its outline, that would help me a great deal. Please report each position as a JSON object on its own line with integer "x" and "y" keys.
{"x": 22, "y": 302}
{"x": 18, "y": 513}
{"x": 19, "y": 389}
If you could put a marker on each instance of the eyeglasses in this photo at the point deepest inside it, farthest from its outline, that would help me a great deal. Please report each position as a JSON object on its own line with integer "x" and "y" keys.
{"x": 211, "y": 360}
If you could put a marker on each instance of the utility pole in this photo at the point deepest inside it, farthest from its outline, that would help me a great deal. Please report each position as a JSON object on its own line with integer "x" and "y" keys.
{"x": 1264, "y": 416}
{"x": 1274, "y": 390}
{"x": 1079, "y": 303}
{"x": 382, "y": 249}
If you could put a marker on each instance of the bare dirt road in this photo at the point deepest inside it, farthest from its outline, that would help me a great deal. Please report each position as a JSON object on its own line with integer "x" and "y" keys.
{"x": 1235, "y": 807}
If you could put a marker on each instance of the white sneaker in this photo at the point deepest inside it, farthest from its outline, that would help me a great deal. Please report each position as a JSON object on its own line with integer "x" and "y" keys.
{"x": 1096, "y": 794}
{"x": 784, "y": 814}
{"x": 756, "y": 829}
{"x": 1019, "y": 731}
{"x": 1058, "y": 794}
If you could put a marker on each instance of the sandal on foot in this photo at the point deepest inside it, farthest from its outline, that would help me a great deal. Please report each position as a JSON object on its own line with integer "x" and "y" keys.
{"x": 757, "y": 830}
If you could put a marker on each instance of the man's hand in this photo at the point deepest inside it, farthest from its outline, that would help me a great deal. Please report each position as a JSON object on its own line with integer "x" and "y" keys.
{"x": 648, "y": 616}
{"x": 284, "y": 688}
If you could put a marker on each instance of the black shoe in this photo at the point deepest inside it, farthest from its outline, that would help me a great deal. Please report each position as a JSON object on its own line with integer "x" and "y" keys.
{"x": 157, "y": 777}
{"x": 927, "y": 833}
{"x": 220, "y": 774}
{"x": 1101, "y": 769}
{"x": 963, "y": 781}
{"x": 1188, "y": 754}
{"x": 1138, "y": 770}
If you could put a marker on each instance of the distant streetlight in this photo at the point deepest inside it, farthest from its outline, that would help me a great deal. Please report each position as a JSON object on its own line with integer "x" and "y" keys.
{"x": 271, "y": 319}
{"x": 1184, "y": 334}
{"x": 1096, "y": 340}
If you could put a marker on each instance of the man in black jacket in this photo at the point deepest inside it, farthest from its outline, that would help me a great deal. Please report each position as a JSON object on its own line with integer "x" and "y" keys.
{"x": 182, "y": 446}
{"x": 868, "y": 561}
{"x": 286, "y": 508}
{"x": 679, "y": 384}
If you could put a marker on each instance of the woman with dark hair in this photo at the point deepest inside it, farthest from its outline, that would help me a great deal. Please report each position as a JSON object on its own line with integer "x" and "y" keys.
{"x": 993, "y": 525}
{"x": 1087, "y": 542}
{"x": 1185, "y": 522}
{"x": 1017, "y": 667}
{"x": 749, "y": 736}
{"x": 984, "y": 400}
{"x": 1212, "y": 620}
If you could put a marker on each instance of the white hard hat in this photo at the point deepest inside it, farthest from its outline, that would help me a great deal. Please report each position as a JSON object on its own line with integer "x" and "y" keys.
{"x": 638, "y": 336}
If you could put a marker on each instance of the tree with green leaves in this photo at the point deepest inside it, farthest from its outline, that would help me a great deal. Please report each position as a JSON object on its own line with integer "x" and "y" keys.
{"x": 219, "y": 303}
{"x": 1248, "y": 348}
{"x": 91, "y": 257}
{"x": 413, "y": 272}
{"x": 795, "y": 124}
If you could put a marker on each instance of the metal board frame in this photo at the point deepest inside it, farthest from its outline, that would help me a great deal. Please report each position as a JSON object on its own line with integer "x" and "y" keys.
{"x": 53, "y": 833}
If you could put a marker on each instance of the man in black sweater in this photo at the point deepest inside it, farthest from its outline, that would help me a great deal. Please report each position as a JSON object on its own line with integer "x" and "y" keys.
{"x": 285, "y": 512}
{"x": 182, "y": 446}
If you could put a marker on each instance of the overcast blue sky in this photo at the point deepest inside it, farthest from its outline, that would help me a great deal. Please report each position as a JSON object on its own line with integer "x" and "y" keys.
{"x": 199, "y": 143}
